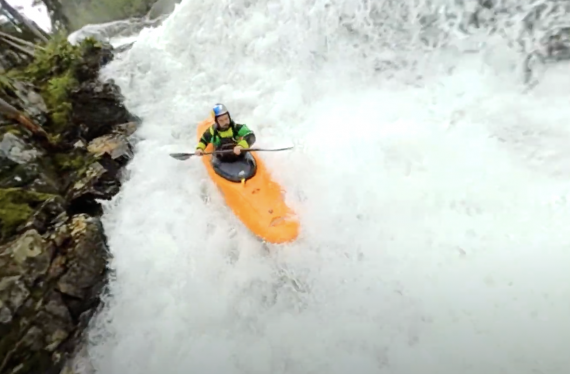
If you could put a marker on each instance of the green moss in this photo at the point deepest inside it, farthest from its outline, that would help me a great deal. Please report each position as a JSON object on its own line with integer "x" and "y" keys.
{"x": 18, "y": 175}
{"x": 16, "y": 207}
{"x": 12, "y": 128}
{"x": 75, "y": 160}
{"x": 55, "y": 58}
{"x": 56, "y": 96}
{"x": 58, "y": 57}
{"x": 89, "y": 45}
{"x": 6, "y": 84}
{"x": 53, "y": 71}
{"x": 7, "y": 80}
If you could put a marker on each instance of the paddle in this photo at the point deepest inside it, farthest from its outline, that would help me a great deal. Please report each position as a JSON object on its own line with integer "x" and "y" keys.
{"x": 185, "y": 156}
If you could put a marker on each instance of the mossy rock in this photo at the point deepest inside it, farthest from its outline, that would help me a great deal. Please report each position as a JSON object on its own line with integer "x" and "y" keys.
{"x": 12, "y": 128}
{"x": 13, "y": 174}
{"x": 71, "y": 165}
{"x": 23, "y": 347}
{"x": 71, "y": 161}
{"x": 38, "y": 173}
{"x": 17, "y": 205}
{"x": 51, "y": 173}
{"x": 40, "y": 176}
{"x": 35, "y": 358}
{"x": 54, "y": 72}
{"x": 7, "y": 84}
{"x": 55, "y": 58}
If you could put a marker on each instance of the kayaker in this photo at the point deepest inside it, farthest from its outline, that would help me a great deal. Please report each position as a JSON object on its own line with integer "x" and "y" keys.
{"x": 226, "y": 134}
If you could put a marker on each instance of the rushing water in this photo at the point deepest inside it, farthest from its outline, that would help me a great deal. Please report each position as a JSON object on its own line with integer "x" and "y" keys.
{"x": 430, "y": 183}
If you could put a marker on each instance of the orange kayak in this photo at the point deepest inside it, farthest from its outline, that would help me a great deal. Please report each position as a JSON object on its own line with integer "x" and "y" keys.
{"x": 252, "y": 195}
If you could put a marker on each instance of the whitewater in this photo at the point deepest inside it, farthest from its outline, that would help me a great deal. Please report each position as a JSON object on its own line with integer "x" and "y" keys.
{"x": 432, "y": 191}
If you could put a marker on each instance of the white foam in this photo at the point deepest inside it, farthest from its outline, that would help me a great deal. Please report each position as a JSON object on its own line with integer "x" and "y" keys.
{"x": 433, "y": 204}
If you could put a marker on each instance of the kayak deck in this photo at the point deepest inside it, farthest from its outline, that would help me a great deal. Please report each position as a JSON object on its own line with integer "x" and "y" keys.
{"x": 258, "y": 201}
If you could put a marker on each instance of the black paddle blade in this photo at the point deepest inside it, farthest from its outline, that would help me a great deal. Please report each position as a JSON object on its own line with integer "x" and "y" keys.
{"x": 186, "y": 156}
{"x": 181, "y": 156}
{"x": 267, "y": 150}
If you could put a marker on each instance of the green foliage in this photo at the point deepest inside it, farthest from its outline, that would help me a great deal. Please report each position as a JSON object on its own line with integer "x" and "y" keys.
{"x": 84, "y": 12}
{"x": 53, "y": 72}
{"x": 16, "y": 207}
{"x": 7, "y": 83}
{"x": 56, "y": 94}
{"x": 57, "y": 57}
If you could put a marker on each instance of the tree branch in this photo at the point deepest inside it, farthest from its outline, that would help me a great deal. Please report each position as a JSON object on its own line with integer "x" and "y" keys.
{"x": 11, "y": 112}
{"x": 18, "y": 47}
{"x": 18, "y": 40}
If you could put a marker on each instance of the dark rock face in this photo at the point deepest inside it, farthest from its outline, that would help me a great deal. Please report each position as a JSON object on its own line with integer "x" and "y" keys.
{"x": 47, "y": 282}
{"x": 53, "y": 251}
{"x": 96, "y": 110}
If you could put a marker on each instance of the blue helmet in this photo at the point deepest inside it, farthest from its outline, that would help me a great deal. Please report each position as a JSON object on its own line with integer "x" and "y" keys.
{"x": 219, "y": 110}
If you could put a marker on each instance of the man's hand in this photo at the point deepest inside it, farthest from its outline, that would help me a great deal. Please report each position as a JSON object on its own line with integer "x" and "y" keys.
{"x": 237, "y": 149}
{"x": 199, "y": 152}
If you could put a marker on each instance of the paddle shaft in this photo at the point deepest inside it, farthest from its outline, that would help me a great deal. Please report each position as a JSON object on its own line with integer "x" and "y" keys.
{"x": 184, "y": 156}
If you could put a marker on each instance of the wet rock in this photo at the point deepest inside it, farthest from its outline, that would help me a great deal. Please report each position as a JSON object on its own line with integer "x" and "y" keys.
{"x": 22, "y": 163}
{"x": 95, "y": 57}
{"x": 124, "y": 47}
{"x": 31, "y": 101}
{"x": 45, "y": 288}
{"x": 53, "y": 252}
{"x": 96, "y": 109}
{"x": 127, "y": 129}
{"x": 162, "y": 8}
{"x": 37, "y": 176}
{"x": 13, "y": 174}
{"x": 101, "y": 178}
{"x": 13, "y": 293}
{"x": 16, "y": 149}
{"x": 98, "y": 181}
{"x": 27, "y": 257}
{"x": 86, "y": 259}
{"x": 47, "y": 214}
{"x": 24, "y": 104}
{"x": 17, "y": 206}
{"x": 80, "y": 364}
{"x": 116, "y": 146}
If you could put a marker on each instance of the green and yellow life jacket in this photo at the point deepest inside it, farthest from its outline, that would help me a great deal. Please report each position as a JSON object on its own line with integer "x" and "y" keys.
{"x": 235, "y": 134}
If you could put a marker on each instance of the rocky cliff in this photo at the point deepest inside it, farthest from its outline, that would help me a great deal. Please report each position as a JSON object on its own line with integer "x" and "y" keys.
{"x": 63, "y": 142}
